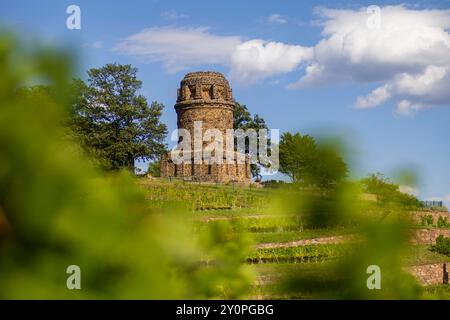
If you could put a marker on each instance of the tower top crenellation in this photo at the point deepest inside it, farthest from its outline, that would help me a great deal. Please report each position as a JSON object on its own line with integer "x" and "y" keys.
{"x": 204, "y": 86}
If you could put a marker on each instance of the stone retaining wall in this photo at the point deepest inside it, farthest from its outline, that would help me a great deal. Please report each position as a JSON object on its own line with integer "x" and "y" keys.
{"x": 428, "y": 236}
{"x": 417, "y": 216}
{"x": 430, "y": 274}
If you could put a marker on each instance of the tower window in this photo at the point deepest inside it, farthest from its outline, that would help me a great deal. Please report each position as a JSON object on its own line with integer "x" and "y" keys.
{"x": 209, "y": 169}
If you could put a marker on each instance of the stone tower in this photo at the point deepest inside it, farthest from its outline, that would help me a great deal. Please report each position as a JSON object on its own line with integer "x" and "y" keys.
{"x": 206, "y": 97}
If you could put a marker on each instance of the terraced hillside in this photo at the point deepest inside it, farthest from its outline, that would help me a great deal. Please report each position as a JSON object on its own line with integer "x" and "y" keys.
{"x": 293, "y": 255}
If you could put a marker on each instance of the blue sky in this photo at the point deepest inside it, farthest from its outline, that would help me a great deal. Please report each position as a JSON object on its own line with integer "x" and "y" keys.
{"x": 316, "y": 69}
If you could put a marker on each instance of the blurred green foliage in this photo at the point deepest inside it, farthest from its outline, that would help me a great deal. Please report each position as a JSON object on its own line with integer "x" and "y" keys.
{"x": 57, "y": 210}
{"x": 388, "y": 192}
{"x": 382, "y": 230}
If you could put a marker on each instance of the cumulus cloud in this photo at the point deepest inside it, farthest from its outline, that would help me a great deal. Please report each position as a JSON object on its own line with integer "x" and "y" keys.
{"x": 375, "y": 98}
{"x": 407, "y": 108}
{"x": 276, "y": 19}
{"x": 180, "y": 48}
{"x": 258, "y": 59}
{"x": 408, "y": 52}
{"x": 405, "y": 55}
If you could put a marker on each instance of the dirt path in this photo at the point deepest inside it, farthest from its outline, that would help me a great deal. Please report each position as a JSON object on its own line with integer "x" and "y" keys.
{"x": 304, "y": 242}
{"x": 225, "y": 218}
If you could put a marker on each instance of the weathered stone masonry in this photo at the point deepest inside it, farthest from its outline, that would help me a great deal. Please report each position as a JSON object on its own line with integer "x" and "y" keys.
{"x": 206, "y": 97}
{"x": 430, "y": 274}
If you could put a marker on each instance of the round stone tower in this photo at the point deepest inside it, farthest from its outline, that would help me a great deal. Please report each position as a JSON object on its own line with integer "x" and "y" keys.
{"x": 206, "y": 97}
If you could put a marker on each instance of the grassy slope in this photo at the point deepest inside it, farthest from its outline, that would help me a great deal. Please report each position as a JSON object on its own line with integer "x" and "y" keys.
{"x": 422, "y": 254}
{"x": 249, "y": 207}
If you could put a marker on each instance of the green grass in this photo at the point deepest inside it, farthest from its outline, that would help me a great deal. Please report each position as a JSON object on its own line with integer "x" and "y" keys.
{"x": 421, "y": 254}
{"x": 303, "y": 254}
{"x": 266, "y": 223}
{"x": 441, "y": 292}
{"x": 279, "y": 276}
{"x": 271, "y": 269}
{"x": 230, "y": 213}
{"x": 202, "y": 196}
{"x": 249, "y": 209}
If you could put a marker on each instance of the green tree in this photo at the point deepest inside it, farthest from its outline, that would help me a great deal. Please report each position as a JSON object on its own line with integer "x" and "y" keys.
{"x": 388, "y": 192}
{"x": 114, "y": 123}
{"x": 306, "y": 162}
{"x": 297, "y": 155}
{"x": 242, "y": 119}
{"x": 328, "y": 168}
{"x": 154, "y": 168}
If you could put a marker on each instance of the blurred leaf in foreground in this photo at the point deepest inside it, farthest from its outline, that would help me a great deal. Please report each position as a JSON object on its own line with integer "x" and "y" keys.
{"x": 56, "y": 210}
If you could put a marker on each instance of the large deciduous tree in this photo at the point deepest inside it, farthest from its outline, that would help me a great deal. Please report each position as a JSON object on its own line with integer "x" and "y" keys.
{"x": 306, "y": 162}
{"x": 113, "y": 121}
{"x": 297, "y": 155}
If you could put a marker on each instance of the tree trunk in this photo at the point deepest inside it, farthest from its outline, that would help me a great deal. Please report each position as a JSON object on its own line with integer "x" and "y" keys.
{"x": 131, "y": 164}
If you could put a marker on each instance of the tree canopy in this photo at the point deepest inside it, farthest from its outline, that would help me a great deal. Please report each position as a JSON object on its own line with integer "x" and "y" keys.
{"x": 114, "y": 122}
{"x": 306, "y": 162}
{"x": 387, "y": 191}
{"x": 242, "y": 119}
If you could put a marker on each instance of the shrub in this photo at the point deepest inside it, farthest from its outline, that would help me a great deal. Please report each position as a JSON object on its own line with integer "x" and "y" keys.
{"x": 427, "y": 220}
{"x": 442, "y": 245}
{"x": 443, "y": 222}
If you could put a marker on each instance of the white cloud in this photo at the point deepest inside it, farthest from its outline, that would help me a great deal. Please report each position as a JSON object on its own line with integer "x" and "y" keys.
{"x": 375, "y": 98}
{"x": 180, "y": 48}
{"x": 276, "y": 19}
{"x": 409, "y": 54}
{"x": 173, "y": 15}
{"x": 407, "y": 57}
{"x": 408, "y": 108}
{"x": 414, "y": 92}
{"x": 409, "y": 190}
{"x": 258, "y": 59}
